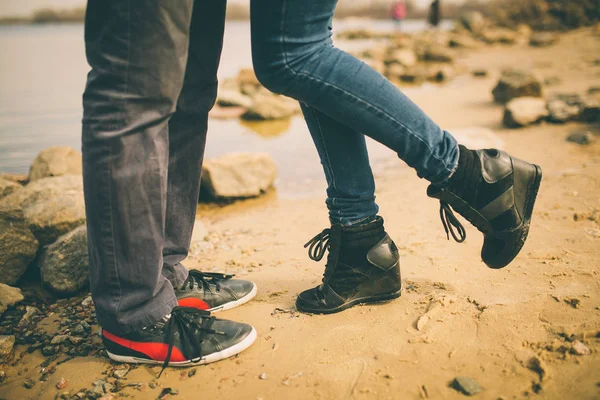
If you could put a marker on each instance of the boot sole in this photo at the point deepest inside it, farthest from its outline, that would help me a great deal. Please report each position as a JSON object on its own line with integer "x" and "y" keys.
{"x": 211, "y": 358}
{"x": 361, "y": 300}
{"x": 532, "y": 192}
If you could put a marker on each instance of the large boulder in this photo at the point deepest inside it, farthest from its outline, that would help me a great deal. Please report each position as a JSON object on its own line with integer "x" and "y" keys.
{"x": 474, "y": 21}
{"x": 238, "y": 175}
{"x": 517, "y": 83}
{"x": 543, "y": 39}
{"x": 524, "y": 111}
{"x": 64, "y": 264}
{"x": 9, "y": 296}
{"x": 8, "y": 187}
{"x": 269, "y": 106}
{"x": 56, "y": 161}
{"x": 51, "y": 206}
{"x": 18, "y": 246}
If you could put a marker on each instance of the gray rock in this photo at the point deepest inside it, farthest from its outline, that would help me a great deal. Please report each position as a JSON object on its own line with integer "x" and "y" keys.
{"x": 524, "y": 111}
{"x": 580, "y": 349}
{"x": 582, "y": 138}
{"x": 269, "y": 106}
{"x": 233, "y": 98}
{"x": 9, "y": 296}
{"x": 517, "y": 83}
{"x": 64, "y": 264}
{"x": 18, "y": 246}
{"x": 7, "y": 345}
{"x": 29, "y": 316}
{"x": 590, "y": 110}
{"x": 404, "y": 57}
{"x": 51, "y": 206}
{"x": 56, "y": 161}
{"x": 561, "y": 112}
{"x": 59, "y": 339}
{"x": 437, "y": 53}
{"x": 480, "y": 73}
{"x": 466, "y": 385}
{"x": 464, "y": 42}
{"x": 474, "y": 21}
{"x": 17, "y": 178}
{"x": 239, "y": 175}
{"x": 8, "y": 187}
{"x": 543, "y": 39}
{"x": 499, "y": 35}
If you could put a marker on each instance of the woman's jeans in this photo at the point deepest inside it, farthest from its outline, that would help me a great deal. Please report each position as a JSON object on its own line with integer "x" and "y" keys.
{"x": 146, "y": 103}
{"x": 342, "y": 98}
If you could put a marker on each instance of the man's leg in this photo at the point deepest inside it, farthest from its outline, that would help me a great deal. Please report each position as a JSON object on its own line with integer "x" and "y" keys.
{"x": 138, "y": 52}
{"x": 187, "y": 134}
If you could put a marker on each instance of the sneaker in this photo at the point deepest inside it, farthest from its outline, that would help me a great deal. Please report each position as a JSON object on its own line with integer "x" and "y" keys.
{"x": 186, "y": 337}
{"x": 213, "y": 291}
{"x": 496, "y": 194}
{"x": 363, "y": 266}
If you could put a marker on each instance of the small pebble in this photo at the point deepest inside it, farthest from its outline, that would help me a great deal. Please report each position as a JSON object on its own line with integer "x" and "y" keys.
{"x": 580, "y": 349}
{"x": 263, "y": 376}
{"x": 29, "y": 383}
{"x": 466, "y": 385}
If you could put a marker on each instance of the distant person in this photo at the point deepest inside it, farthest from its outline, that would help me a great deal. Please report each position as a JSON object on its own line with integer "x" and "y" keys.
{"x": 146, "y": 103}
{"x": 435, "y": 13}
{"x": 398, "y": 12}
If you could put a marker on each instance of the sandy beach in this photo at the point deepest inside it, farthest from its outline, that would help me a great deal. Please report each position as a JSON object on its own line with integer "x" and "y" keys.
{"x": 484, "y": 324}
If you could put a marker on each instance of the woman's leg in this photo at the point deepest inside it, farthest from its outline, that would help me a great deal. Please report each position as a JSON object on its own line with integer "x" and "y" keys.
{"x": 343, "y": 153}
{"x": 293, "y": 54}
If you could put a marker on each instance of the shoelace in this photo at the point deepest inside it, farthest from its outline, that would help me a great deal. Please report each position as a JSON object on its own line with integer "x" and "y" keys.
{"x": 318, "y": 245}
{"x": 183, "y": 320}
{"x": 450, "y": 222}
{"x": 204, "y": 279}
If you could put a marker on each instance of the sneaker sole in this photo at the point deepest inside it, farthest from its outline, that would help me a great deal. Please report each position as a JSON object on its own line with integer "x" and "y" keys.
{"x": 211, "y": 358}
{"x": 532, "y": 196}
{"x": 237, "y": 303}
{"x": 361, "y": 300}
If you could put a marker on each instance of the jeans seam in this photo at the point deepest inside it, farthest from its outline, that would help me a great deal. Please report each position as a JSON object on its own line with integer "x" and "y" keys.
{"x": 112, "y": 224}
{"x": 325, "y": 148}
{"x": 389, "y": 117}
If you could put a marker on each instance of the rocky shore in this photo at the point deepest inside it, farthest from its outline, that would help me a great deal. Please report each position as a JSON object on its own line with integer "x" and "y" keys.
{"x": 530, "y": 331}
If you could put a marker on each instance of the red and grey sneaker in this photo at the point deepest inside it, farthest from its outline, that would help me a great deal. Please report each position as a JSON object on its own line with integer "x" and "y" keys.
{"x": 186, "y": 337}
{"x": 213, "y": 291}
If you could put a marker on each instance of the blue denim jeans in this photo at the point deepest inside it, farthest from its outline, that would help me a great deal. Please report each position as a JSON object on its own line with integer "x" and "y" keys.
{"x": 342, "y": 98}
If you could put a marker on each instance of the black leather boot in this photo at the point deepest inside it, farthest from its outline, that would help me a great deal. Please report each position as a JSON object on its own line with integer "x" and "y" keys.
{"x": 363, "y": 266}
{"x": 496, "y": 193}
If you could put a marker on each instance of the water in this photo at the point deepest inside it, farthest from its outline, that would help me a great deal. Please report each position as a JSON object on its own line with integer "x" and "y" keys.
{"x": 42, "y": 76}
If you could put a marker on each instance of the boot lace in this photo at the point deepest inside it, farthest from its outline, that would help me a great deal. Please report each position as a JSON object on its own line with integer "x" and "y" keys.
{"x": 204, "y": 280}
{"x": 326, "y": 240}
{"x": 450, "y": 222}
{"x": 184, "y": 321}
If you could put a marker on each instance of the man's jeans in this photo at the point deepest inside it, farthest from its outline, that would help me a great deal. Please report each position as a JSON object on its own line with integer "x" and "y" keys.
{"x": 153, "y": 81}
{"x": 342, "y": 98}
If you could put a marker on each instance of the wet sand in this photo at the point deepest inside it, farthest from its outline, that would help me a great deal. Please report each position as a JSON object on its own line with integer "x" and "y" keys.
{"x": 489, "y": 323}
